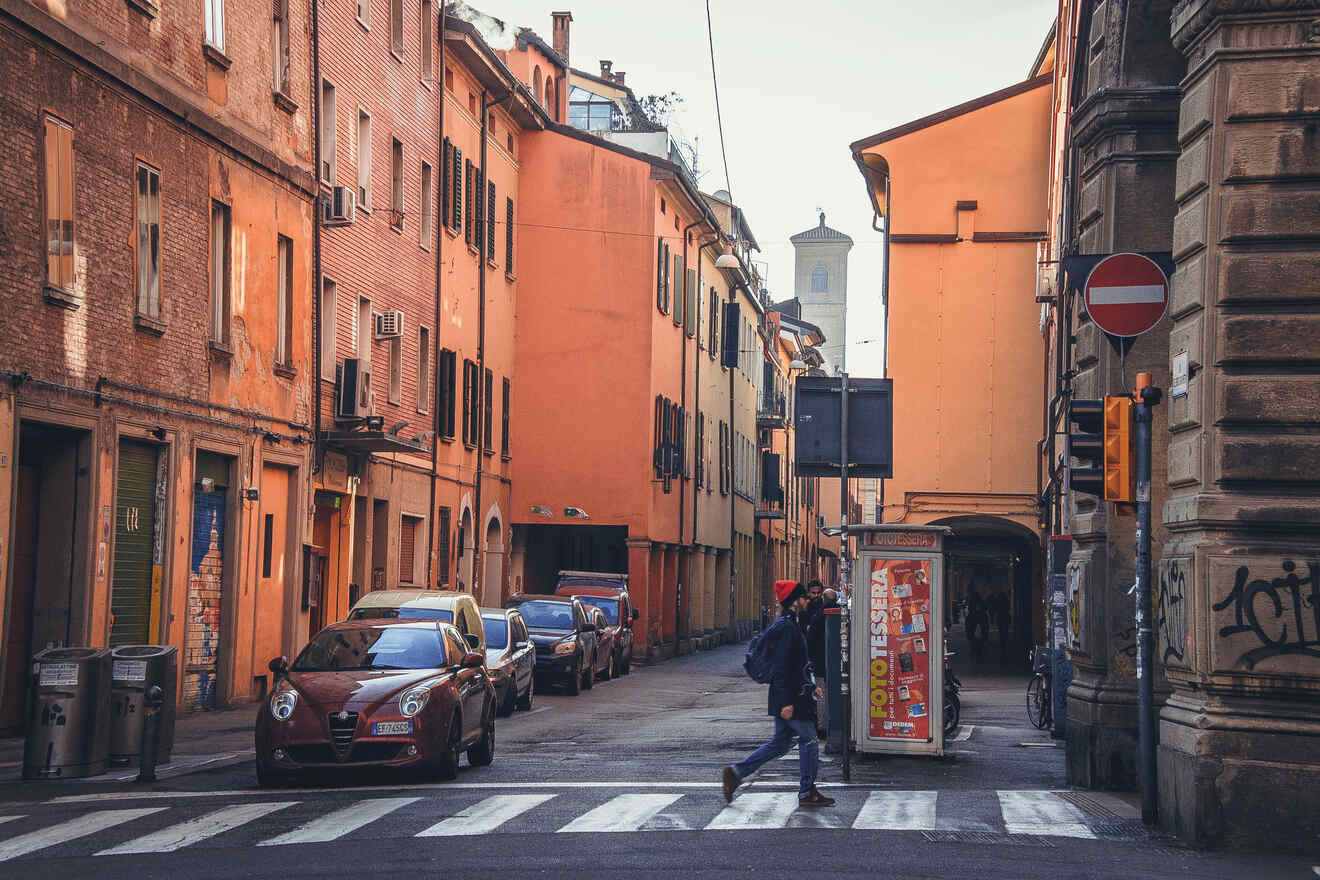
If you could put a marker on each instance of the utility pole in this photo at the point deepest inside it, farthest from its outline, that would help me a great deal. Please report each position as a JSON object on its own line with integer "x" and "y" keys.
{"x": 844, "y": 563}
{"x": 1147, "y": 398}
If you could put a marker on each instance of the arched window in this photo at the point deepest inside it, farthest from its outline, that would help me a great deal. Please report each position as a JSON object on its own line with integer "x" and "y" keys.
{"x": 820, "y": 280}
{"x": 536, "y": 83}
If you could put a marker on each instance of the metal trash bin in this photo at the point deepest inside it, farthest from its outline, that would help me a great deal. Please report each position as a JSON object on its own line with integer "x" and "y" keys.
{"x": 134, "y": 668}
{"x": 68, "y": 729}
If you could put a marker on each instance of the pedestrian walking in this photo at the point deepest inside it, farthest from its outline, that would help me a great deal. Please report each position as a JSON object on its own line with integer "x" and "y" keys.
{"x": 1003, "y": 618}
{"x": 791, "y": 702}
{"x": 978, "y": 625}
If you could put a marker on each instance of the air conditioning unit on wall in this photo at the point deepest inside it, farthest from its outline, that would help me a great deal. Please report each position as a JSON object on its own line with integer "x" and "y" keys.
{"x": 389, "y": 324}
{"x": 338, "y": 205}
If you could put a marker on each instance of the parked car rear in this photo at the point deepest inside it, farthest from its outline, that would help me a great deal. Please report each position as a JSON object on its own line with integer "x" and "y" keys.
{"x": 510, "y": 658}
{"x": 609, "y": 593}
{"x": 451, "y": 606}
{"x": 565, "y": 638}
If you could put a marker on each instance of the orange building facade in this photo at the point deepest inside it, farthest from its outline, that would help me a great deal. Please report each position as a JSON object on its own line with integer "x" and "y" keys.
{"x": 963, "y": 194}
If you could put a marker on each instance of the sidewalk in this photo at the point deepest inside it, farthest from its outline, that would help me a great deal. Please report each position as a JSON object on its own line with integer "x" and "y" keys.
{"x": 202, "y": 741}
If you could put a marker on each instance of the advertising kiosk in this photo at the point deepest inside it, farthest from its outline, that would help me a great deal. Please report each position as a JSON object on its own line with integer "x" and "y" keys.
{"x": 897, "y": 639}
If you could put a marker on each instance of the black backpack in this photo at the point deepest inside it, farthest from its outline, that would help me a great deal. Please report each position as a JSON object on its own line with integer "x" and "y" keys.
{"x": 758, "y": 663}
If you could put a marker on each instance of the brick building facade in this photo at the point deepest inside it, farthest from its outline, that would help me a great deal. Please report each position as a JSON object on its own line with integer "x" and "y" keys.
{"x": 155, "y": 418}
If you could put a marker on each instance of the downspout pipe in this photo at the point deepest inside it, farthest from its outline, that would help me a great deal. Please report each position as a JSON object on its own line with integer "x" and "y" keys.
{"x": 317, "y": 280}
{"x": 696, "y": 403}
{"x": 478, "y": 523}
{"x": 435, "y": 334}
{"x": 884, "y": 299}
{"x": 682, "y": 408}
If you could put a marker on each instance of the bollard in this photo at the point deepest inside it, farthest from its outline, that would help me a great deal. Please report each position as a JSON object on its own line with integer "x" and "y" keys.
{"x": 833, "y": 691}
{"x": 152, "y": 701}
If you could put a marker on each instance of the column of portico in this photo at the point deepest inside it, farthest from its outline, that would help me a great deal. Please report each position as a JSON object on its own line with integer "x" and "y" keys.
{"x": 1239, "y": 579}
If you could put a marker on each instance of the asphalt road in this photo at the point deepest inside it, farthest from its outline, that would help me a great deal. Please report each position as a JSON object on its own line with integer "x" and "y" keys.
{"x": 624, "y": 780}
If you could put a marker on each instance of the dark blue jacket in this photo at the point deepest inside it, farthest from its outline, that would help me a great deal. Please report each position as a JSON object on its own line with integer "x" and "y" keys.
{"x": 791, "y": 682}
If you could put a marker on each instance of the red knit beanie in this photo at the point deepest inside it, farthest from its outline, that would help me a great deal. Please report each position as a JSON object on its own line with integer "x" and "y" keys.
{"x": 787, "y": 591}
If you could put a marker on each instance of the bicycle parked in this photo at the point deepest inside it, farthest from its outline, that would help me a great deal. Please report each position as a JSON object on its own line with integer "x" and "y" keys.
{"x": 1040, "y": 690}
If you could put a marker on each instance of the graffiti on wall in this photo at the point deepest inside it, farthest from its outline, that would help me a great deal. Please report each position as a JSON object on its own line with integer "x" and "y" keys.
{"x": 1171, "y": 614}
{"x": 1274, "y": 616}
{"x": 1074, "y": 608}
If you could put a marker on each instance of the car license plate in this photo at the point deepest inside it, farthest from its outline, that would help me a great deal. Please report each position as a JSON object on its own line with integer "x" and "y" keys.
{"x": 390, "y": 728}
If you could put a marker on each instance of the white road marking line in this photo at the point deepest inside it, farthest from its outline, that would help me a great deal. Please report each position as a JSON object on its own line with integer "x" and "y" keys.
{"x": 756, "y": 811}
{"x": 486, "y": 815}
{"x": 790, "y": 780}
{"x": 187, "y": 765}
{"x": 1127, "y": 294}
{"x": 964, "y": 733}
{"x": 333, "y": 826}
{"x": 898, "y": 811}
{"x": 4, "y": 819}
{"x": 70, "y": 830}
{"x": 516, "y": 716}
{"x": 627, "y": 812}
{"x": 194, "y": 830}
{"x": 1041, "y": 812}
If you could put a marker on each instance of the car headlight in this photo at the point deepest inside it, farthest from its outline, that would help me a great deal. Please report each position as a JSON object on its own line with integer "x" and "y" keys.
{"x": 567, "y": 646}
{"x": 411, "y": 701}
{"x": 282, "y": 703}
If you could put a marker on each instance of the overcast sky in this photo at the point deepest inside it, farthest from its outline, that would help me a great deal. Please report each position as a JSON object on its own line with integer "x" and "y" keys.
{"x": 798, "y": 83}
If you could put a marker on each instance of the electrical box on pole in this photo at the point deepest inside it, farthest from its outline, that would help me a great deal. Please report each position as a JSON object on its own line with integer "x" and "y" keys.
{"x": 1120, "y": 473}
{"x": 1086, "y": 442}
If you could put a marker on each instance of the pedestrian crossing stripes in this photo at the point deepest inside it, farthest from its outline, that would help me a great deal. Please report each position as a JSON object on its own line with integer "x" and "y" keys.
{"x": 163, "y": 829}
{"x": 333, "y": 826}
{"x": 627, "y": 812}
{"x": 486, "y": 815}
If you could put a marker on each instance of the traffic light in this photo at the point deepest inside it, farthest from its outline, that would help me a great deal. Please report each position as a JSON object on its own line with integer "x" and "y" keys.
{"x": 1120, "y": 475}
{"x": 1086, "y": 442}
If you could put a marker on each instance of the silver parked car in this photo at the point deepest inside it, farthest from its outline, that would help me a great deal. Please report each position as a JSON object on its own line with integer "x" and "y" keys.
{"x": 510, "y": 659}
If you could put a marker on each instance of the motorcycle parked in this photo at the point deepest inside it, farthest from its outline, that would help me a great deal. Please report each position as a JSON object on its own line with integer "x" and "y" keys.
{"x": 952, "y": 705}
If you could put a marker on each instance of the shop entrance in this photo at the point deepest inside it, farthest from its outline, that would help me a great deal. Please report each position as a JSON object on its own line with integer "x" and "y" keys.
{"x": 51, "y": 555}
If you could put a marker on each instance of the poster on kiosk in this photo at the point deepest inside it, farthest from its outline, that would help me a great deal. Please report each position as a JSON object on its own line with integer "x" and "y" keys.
{"x": 898, "y": 640}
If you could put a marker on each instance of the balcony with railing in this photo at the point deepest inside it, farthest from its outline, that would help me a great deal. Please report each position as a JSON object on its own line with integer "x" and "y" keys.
{"x": 771, "y": 410}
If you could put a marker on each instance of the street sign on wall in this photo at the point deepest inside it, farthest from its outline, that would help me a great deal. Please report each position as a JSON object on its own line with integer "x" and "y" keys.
{"x": 1126, "y": 294}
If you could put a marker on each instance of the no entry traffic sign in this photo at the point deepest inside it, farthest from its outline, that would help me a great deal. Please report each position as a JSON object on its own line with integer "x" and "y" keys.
{"x": 1126, "y": 294}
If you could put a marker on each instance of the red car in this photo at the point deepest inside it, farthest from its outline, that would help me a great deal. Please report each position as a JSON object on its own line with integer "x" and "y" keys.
{"x": 377, "y": 693}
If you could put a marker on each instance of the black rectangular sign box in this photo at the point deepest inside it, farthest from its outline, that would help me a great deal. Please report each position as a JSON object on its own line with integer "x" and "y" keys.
{"x": 817, "y": 406}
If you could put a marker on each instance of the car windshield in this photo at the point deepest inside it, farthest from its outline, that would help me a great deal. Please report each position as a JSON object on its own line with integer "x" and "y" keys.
{"x": 605, "y": 603}
{"x": 383, "y": 647}
{"x": 497, "y": 631}
{"x": 382, "y": 612}
{"x": 547, "y": 615}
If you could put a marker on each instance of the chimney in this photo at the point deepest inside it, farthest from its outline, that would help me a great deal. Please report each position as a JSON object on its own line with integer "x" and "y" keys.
{"x": 618, "y": 77}
{"x": 605, "y": 70}
{"x": 559, "y": 32}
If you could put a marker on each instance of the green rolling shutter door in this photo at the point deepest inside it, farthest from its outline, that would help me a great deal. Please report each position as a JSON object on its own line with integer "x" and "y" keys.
{"x": 135, "y": 521}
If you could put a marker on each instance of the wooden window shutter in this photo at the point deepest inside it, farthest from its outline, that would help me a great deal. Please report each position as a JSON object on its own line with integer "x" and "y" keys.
{"x": 446, "y": 156}
{"x": 490, "y": 220}
{"x": 456, "y": 172}
{"x": 660, "y": 274}
{"x": 467, "y": 207}
{"x": 443, "y": 548}
{"x": 407, "y": 549}
{"x": 508, "y": 236}
{"x": 678, "y": 290}
{"x": 658, "y": 462}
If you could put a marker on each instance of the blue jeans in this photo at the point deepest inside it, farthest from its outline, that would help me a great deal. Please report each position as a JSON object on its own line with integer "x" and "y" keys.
{"x": 779, "y": 744}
